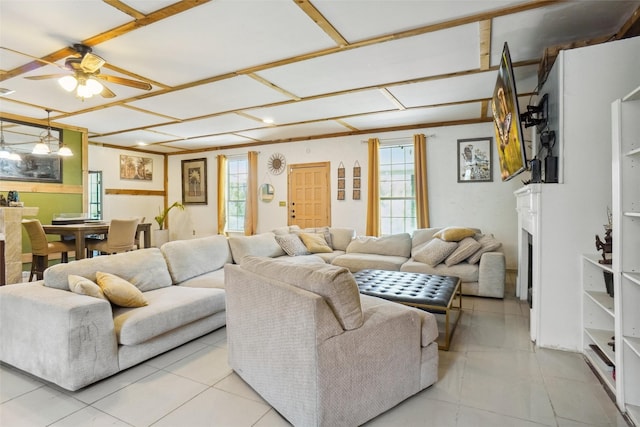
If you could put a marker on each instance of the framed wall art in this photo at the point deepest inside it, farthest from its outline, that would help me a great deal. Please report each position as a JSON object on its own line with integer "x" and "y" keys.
{"x": 194, "y": 181}
{"x": 33, "y": 167}
{"x": 474, "y": 160}
{"x": 137, "y": 168}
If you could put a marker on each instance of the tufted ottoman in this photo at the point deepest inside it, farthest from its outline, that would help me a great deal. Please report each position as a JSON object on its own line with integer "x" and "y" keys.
{"x": 430, "y": 292}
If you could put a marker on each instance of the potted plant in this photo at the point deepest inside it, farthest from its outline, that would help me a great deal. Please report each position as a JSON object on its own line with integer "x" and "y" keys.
{"x": 162, "y": 235}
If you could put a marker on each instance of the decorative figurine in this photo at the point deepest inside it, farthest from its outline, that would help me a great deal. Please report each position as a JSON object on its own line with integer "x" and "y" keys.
{"x": 605, "y": 247}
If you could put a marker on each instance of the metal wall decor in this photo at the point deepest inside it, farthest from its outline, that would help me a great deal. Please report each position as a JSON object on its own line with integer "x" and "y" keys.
{"x": 341, "y": 181}
{"x": 276, "y": 163}
{"x": 356, "y": 181}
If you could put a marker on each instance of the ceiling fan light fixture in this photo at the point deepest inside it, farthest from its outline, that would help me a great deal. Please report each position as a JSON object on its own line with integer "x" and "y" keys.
{"x": 94, "y": 86}
{"x": 68, "y": 83}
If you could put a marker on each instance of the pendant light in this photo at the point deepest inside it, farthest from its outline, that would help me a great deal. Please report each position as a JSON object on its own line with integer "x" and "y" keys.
{"x": 49, "y": 144}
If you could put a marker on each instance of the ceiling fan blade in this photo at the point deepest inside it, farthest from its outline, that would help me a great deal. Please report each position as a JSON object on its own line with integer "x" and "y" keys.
{"x": 107, "y": 93}
{"x": 91, "y": 63}
{"x": 125, "y": 82}
{"x": 46, "y": 76}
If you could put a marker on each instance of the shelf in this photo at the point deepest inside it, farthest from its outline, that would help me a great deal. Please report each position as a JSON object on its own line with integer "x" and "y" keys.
{"x": 598, "y": 365}
{"x": 632, "y": 214}
{"x": 601, "y": 338}
{"x": 633, "y": 96}
{"x": 634, "y": 413}
{"x": 634, "y": 344}
{"x": 634, "y": 152}
{"x": 633, "y": 277}
{"x": 603, "y": 300}
{"x": 593, "y": 259}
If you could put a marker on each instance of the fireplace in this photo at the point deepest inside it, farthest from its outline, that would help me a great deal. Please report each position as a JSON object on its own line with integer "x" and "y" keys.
{"x": 527, "y": 285}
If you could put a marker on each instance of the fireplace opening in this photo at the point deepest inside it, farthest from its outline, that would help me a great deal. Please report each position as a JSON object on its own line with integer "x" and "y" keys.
{"x": 530, "y": 270}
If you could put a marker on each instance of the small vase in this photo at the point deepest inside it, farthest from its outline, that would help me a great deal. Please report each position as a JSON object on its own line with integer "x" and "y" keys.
{"x": 160, "y": 237}
{"x": 608, "y": 282}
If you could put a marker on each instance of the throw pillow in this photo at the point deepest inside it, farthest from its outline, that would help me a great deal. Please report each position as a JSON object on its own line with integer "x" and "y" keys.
{"x": 435, "y": 251}
{"x": 315, "y": 243}
{"x": 466, "y": 247}
{"x": 119, "y": 291}
{"x": 324, "y": 231}
{"x": 488, "y": 243}
{"x": 291, "y": 244}
{"x": 454, "y": 234}
{"x": 83, "y": 286}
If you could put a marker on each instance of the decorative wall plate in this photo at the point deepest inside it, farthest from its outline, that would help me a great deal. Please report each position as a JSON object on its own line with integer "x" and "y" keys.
{"x": 276, "y": 163}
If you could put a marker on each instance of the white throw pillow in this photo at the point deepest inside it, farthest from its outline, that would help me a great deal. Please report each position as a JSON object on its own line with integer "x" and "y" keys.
{"x": 466, "y": 247}
{"x": 488, "y": 243}
{"x": 434, "y": 251}
{"x": 83, "y": 286}
{"x": 291, "y": 244}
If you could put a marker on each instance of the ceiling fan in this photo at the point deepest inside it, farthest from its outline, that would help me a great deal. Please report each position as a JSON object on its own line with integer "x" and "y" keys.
{"x": 85, "y": 66}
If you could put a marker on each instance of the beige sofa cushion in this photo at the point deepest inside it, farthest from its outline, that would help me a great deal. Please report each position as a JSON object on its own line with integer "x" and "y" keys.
{"x": 193, "y": 257}
{"x": 336, "y": 285}
{"x": 395, "y": 245}
{"x": 341, "y": 237}
{"x": 466, "y": 247}
{"x": 434, "y": 251}
{"x": 169, "y": 308}
{"x": 358, "y": 261}
{"x": 126, "y": 265}
{"x": 291, "y": 244}
{"x": 119, "y": 291}
{"x": 262, "y": 245}
{"x": 455, "y": 234}
{"x": 488, "y": 243}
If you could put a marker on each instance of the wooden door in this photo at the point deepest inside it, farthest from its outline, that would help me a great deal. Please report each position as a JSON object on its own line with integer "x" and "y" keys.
{"x": 309, "y": 195}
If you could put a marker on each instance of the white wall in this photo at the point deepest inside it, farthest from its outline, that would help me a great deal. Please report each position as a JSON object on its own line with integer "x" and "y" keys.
{"x": 107, "y": 160}
{"x": 488, "y": 206}
{"x": 589, "y": 79}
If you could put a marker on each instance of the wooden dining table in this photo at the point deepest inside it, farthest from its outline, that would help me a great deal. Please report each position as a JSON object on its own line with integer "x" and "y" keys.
{"x": 80, "y": 231}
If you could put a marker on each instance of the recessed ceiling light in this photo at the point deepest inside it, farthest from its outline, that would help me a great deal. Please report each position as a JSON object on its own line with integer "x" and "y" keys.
{"x": 268, "y": 120}
{"x": 141, "y": 143}
{"x": 4, "y": 91}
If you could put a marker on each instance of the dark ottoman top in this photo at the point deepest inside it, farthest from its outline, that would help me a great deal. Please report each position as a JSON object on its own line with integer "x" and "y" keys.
{"x": 412, "y": 288}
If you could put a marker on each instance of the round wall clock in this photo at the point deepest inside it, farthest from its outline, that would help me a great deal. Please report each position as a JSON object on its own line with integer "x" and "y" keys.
{"x": 276, "y": 163}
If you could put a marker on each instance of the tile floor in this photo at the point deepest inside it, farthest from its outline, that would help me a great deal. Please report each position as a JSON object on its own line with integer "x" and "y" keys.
{"x": 492, "y": 376}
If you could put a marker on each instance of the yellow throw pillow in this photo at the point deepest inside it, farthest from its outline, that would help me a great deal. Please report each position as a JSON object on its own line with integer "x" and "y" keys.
{"x": 315, "y": 243}
{"x": 119, "y": 291}
{"x": 83, "y": 286}
{"x": 454, "y": 234}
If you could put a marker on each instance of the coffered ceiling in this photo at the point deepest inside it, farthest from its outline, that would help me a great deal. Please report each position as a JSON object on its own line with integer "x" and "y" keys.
{"x": 243, "y": 72}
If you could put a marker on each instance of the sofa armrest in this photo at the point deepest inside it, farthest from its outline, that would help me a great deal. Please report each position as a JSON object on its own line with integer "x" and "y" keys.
{"x": 57, "y": 335}
{"x": 491, "y": 275}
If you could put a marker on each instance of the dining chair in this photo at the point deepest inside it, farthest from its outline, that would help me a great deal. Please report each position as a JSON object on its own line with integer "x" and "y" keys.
{"x": 41, "y": 248}
{"x": 120, "y": 238}
{"x": 137, "y": 237}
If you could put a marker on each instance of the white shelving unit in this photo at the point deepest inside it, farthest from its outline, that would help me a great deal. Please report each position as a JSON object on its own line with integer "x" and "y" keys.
{"x": 598, "y": 319}
{"x": 626, "y": 250}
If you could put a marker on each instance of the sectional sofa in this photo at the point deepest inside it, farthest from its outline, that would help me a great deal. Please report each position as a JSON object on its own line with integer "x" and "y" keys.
{"x": 62, "y": 331}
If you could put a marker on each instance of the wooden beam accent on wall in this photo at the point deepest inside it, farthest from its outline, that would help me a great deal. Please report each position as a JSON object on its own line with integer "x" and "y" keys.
{"x": 129, "y": 192}
{"x": 485, "y": 56}
{"x": 40, "y": 187}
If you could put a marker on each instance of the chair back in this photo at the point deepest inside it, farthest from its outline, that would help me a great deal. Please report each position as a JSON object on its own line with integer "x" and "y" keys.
{"x": 37, "y": 236}
{"x": 122, "y": 234}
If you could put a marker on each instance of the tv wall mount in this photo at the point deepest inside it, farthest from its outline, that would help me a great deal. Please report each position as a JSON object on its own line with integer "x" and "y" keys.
{"x": 536, "y": 115}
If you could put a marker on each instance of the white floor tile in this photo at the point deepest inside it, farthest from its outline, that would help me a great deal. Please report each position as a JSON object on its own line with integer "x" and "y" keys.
{"x": 14, "y": 383}
{"x": 151, "y": 398}
{"x": 215, "y": 408}
{"x": 89, "y": 417}
{"x": 206, "y": 366}
{"x": 235, "y": 385}
{"x": 418, "y": 411}
{"x": 471, "y": 417}
{"x": 272, "y": 419}
{"x": 564, "y": 364}
{"x": 39, "y": 407}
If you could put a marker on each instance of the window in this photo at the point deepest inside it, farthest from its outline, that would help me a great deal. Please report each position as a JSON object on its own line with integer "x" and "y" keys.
{"x": 237, "y": 172}
{"x": 397, "y": 190}
{"x": 95, "y": 194}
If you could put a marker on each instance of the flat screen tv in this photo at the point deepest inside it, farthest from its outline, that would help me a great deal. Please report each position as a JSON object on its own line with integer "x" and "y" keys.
{"x": 506, "y": 119}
